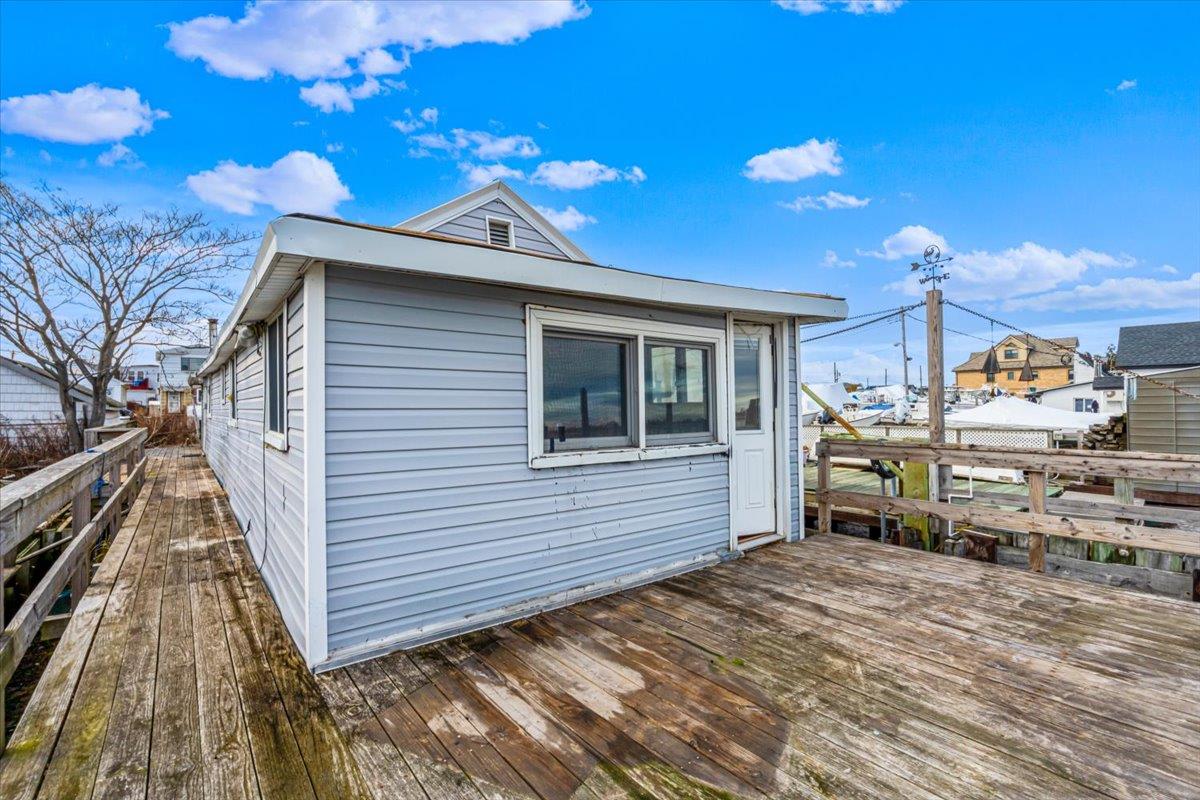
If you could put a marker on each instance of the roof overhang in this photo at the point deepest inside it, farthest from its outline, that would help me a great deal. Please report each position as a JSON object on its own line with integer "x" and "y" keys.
{"x": 293, "y": 242}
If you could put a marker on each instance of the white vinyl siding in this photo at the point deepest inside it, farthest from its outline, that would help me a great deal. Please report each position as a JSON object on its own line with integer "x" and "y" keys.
{"x": 434, "y": 516}
{"x": 265, "y": 485}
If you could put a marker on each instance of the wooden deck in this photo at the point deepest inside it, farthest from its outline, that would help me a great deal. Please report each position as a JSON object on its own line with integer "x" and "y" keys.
{"x": 835, "y": 667}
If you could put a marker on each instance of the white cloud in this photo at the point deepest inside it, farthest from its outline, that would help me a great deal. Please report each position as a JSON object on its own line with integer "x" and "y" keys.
{"x": 381, "y": 62}
{"x": 1125, "y": 85}
{"x": 482, "y": 174}
{"x": 910, "y": 240}
{"x": 119, "y": 154}
{"x": 1118, "y": 293}
{"x": 796, "y": 163}
{"x": 9, "y": 152}
{"x": 299, "y": 182}
{"x": 415, "y": 122}
{"x": 831, "y": 261}
{"x": 582, "y": 174}
{"x": 829, "y": 200}
{"x": 1168, "y": 269}
{"x": 429, "y": 115}
{"x": 329, "y": 96}
{"x": 859, "y": 7}
{"x": 86, "y": 115}
{"x": 569, "y": 219}
{"x": 335, "y": 40}
{"x": 368, "y": 88}
{"x": 479, "y": 144}
{"x": 334, "y": 147}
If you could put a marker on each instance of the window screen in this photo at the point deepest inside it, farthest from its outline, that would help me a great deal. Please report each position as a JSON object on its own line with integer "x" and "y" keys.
{"x": 276, "y": 377}
{"x": 678, "y": 393}
{"x": 585, "y": 392}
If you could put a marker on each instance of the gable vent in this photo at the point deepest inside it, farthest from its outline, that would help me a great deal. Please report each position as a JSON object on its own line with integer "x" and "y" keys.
{"x": 499, "y": 232}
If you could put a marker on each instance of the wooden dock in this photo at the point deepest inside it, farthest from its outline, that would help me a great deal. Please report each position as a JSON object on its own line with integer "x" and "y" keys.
{"x": 835, "y": 667}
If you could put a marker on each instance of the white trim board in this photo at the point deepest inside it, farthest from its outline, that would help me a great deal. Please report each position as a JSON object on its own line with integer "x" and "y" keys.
{"x": 316, "y": 599}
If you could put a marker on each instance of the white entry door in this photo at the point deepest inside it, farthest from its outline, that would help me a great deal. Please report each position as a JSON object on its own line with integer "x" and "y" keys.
{"x": 754, "y": 430}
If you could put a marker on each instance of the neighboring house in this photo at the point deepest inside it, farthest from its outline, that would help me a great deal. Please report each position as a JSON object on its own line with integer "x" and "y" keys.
{"x": 176, "y": 366}
{"x": 140, "y": 384}
{"x": 29, "y": 396}
{"x": 1048, "y": 366}
{"x": 1162, "y": 420}
{"x": 1104, "y": 394}
{"x": 431, "y": 428}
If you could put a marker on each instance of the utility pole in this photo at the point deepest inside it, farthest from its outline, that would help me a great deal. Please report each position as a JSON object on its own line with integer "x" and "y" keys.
{"x": 920, "y": 376}
{"x": 943, "y": 483}
{"x": 904, "y": 348}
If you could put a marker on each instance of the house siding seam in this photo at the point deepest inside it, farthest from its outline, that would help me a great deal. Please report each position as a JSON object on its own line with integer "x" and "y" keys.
{"x": 473, "y": 225}
{"x": 434, "y": 516}
{"x": 265, "y": 485}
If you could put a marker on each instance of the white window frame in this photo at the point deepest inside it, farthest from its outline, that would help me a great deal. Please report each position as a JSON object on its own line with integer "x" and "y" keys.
{"x": 232, "y": 419}
{"x": 271, "y": 438}
{"x": 539, "y": 318}
{"x": 512, "y": 230}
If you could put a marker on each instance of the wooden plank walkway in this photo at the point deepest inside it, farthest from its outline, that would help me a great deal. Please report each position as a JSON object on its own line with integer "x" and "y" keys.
{"x": 835, "y": 667}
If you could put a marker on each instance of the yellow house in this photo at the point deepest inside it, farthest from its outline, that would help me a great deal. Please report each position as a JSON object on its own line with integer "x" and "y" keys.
{"x": 1048, "y": 366}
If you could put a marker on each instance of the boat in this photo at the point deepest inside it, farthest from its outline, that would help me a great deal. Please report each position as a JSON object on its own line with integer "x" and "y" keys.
{"x": 863, "y": 417}
{"x": 809, "y": 417}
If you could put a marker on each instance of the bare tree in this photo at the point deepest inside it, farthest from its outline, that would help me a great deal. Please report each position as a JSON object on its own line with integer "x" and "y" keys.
{"x": 82, "y": 285}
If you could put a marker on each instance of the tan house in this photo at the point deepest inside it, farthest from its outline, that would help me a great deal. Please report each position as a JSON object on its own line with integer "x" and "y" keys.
{"x": 1024, "y": 364}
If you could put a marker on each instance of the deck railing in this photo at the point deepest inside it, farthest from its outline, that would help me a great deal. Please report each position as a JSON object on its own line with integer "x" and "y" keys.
{"x": 1121, "y": 527}
{"x": 117, "y": 465}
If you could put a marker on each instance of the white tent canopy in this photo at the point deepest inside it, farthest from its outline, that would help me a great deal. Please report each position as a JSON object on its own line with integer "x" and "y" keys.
{"x": 1009, "y": 412}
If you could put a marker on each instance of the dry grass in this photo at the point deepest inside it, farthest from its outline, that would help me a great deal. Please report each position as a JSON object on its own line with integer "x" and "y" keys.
{"x": 166, "y": 428}
{"x": 28, "y": 448}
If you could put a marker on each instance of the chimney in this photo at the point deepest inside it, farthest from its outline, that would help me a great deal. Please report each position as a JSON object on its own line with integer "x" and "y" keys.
{"x": 212, "y": 331}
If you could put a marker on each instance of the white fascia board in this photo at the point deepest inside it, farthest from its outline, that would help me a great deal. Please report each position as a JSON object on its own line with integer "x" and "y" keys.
{"x": 387, "y": 249}
{"x": 383, "y": 248}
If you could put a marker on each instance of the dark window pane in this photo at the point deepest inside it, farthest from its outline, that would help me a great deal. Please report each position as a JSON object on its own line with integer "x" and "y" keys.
{"x": 585, "y": 402}
{"x": 677, "y": 392}
{"x": 747, "y": 399}
{"x": 276, "y": 369}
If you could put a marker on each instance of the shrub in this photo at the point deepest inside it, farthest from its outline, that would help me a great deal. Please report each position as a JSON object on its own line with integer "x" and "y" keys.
{"x": 28, "y": 448}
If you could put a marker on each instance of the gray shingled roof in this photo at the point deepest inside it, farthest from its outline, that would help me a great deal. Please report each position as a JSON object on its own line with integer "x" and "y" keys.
{"x": 1108, "y": 382}
{"x": 1174, "y": 344}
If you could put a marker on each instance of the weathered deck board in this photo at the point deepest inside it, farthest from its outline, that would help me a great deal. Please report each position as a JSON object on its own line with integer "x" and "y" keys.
{"x": 835, "y": 667}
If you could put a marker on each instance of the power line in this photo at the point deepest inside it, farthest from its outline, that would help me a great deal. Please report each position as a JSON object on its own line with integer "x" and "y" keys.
{"x": 885, "y": 317}
{"x": 1087, "y": 357}
{"x": 896, "y": 310}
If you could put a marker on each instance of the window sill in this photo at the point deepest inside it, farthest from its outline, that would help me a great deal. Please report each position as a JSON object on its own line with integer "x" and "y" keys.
{"x": 275, "y": 440}
{"x": 625, "y": 454}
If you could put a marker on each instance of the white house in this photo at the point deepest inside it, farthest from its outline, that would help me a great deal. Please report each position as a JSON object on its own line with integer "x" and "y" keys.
{"x": 176, "y": 366}
{"x": 1103, "y": 394}
{"x": 29, "y": 396}
{"x": 461, "y": 420}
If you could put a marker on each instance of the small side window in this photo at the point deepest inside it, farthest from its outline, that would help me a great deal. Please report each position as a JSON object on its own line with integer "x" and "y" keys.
{"x": 276, "y": 368}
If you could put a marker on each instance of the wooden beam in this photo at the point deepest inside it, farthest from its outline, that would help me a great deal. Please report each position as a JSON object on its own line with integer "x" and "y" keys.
{"x": 1148, "y": 466}
{"x": 1037, "y": 505}
{"x": 1184, "y": 542}
{"x": 824, "y": 482}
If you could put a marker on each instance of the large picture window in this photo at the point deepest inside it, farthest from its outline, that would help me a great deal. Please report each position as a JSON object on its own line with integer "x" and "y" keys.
{"x": 607, "y": 388}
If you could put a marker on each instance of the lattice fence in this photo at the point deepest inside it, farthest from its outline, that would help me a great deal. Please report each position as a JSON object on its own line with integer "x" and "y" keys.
{"x": 996, "y": 437}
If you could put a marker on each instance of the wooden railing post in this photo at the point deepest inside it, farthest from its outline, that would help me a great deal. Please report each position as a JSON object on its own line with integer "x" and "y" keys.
{"x": 824, "y": 476}
{"x": 1037, "y": 505}
{"x": 81, "y": 515}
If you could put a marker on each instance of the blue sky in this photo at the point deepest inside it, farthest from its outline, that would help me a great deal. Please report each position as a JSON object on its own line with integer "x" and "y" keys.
{"x": 1053, "y": 148}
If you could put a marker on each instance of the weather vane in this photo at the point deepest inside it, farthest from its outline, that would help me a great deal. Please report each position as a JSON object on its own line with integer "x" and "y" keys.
{"x": 934, "y": 266}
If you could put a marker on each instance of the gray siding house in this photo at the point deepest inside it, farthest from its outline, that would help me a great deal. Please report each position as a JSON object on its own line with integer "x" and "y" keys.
{"x": 462, "y": 420}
